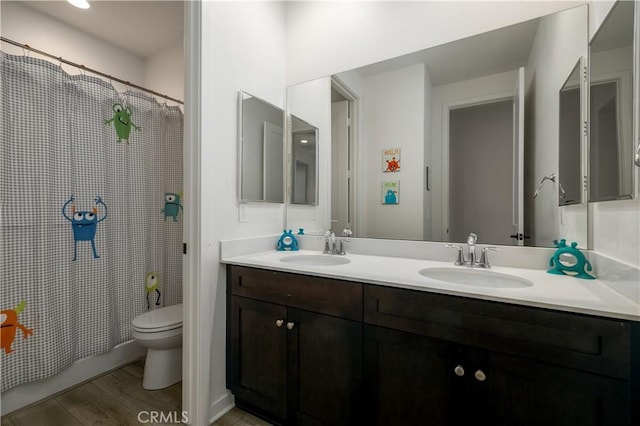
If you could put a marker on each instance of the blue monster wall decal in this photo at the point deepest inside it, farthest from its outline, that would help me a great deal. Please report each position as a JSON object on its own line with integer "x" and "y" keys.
{"x": 172, "y": 205}
{"x": 84, "y": 224}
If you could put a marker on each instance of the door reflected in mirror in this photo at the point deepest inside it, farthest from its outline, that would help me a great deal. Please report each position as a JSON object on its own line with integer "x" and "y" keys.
{"x": 304, "y": 162}
{"x": 610, "y": 106}
{"x": 261, "y": 150}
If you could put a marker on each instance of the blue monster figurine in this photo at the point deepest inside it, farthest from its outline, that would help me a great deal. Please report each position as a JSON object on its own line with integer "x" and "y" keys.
{"x": 172, "y": 205}
{"x": 287, "y": 241}
{"x": 84, "y": 224}
{"x": 579, "y": 269}
{"x": 390, "y": 197}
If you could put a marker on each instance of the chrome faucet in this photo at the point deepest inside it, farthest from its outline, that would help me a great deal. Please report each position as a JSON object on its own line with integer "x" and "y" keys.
{"x": 335, "y": 245}
{"x": 329, "y": 242}
{"x": 345, "y": 238}
{"x": 471, "y": 242}
{"x": 471, "y": 261}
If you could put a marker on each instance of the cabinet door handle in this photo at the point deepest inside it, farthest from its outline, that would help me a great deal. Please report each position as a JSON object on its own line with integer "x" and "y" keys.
{"x": 480, "y": 376}
{"x": 290, "y": 325}
{"x": 459, "y": 371}
{"x": 279, "y": 323}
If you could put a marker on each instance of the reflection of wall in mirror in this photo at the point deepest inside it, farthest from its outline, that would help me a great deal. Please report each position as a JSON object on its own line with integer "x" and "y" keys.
{"x": 548, "y": 65}
{"x": 254, "y": 115}
{"x": 313, "y": 218}
{"x": 393, "y": 115}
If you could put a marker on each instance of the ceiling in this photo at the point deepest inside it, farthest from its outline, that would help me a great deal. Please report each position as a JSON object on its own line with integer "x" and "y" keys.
{"x": 143, "y": 28}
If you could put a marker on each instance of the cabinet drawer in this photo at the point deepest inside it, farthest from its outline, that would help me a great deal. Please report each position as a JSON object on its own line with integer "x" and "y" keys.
{"x": 323, "y": 295}
{"x": 576, "y": 341}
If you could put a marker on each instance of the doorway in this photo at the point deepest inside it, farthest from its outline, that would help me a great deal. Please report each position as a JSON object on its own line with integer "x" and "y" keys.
{"x": 343, "y": 132}
{"x": 481, "y": 171}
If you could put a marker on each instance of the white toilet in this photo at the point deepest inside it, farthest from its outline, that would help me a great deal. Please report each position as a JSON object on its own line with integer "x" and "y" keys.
{"x": 160, "y": 330}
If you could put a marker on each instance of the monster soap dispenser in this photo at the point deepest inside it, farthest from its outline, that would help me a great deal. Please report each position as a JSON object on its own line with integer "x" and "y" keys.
{"x": 287, "y": 241}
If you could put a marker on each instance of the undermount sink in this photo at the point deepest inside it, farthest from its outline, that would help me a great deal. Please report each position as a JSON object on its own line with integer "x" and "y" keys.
{"x": 475, "y": 277}
{"x": 315, "y": 260}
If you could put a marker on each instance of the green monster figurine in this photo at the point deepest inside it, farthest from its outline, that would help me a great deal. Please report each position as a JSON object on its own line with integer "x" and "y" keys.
{"x": 570, "y": 261}
{"x": 122, "y": 122}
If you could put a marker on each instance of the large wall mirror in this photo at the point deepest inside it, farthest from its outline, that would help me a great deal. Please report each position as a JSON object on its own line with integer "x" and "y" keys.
{"x": 260, "y": 150}
{"x": 610, "y": 106}
{"x": 471, "y": 128}
{"x": 304, "y": 162}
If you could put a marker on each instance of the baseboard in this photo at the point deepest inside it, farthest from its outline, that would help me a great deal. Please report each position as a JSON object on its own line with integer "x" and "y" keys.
{"x": 221, "y": 406}
{"x": 79, "y": 372}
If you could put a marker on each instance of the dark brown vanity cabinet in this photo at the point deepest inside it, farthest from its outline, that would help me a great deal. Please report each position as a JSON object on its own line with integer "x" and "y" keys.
{"x": 294, "y": 352}
{"x": 457, "y": 361}
{"x": 318, "y": 351}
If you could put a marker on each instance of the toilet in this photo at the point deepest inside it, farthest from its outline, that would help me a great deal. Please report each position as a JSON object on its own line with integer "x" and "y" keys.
{"x": 160, "y": 331}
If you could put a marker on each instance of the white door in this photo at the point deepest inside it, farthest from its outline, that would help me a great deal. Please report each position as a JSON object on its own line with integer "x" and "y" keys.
{"x": 518, "y": 160}
{"x": 339, "y": 166}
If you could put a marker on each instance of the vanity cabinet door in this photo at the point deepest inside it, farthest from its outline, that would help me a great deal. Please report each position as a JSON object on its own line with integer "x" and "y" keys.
{"x": 523, "y": 392}
{"x": 414, "y": 380}
{"x": 257, "y": 357}
{"x": 325, "y": 369}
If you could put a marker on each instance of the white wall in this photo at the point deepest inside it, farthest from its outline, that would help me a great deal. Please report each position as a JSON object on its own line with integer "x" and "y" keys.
{"x": 242, "y": 48}
{"x": 164, "y": 73}
{"x": 24, "y": 25}
{"x": 314, "y": 219}
{"x": 393, "y": 117}
{"x": 548, "y": 67}
{"x": 598, "y": 10}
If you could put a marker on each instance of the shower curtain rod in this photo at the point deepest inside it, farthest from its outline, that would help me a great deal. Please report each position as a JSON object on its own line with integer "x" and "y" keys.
{"x": 82, "y": 67}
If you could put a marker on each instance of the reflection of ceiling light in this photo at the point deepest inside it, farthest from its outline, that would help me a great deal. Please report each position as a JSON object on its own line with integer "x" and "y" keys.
{"x": 304, "y": 141}
{"x": 82, "y": 4}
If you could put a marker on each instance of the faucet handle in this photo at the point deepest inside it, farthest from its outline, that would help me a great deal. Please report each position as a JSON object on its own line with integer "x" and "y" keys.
{"x": 484, "y": 258}
{"x": 460, "y": 259}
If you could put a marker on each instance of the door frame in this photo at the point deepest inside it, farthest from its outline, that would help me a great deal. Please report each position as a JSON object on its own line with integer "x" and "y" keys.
{"x": 446, "y": 109}
{"x": 355, "y": 189}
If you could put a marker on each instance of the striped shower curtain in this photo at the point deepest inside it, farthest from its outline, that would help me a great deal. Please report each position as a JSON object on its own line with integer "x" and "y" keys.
{"x": 90, "y": 215}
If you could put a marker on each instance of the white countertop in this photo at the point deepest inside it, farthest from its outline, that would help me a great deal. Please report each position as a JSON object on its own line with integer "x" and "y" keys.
{"x": 550, "y": 291}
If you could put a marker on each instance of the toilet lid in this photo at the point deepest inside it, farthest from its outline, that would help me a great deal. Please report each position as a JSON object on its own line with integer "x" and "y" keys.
{"x": 163, "y": 317}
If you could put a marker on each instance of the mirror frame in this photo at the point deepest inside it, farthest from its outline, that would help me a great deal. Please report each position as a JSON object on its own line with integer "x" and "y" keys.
{"x": 241, "y": 168}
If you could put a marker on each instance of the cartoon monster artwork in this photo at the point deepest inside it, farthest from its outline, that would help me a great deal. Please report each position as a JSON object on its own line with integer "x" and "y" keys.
{"x": 151, "y": 284}
{"x": 122, "y": 122}
{"x": 10, "y": 326}
{"x": 172, "y": 205}
{"x": 390, "y": 197}
{"x": 393, "y": 165}
{"x": 84, "y": 224}
{"x": 569, "y": 261}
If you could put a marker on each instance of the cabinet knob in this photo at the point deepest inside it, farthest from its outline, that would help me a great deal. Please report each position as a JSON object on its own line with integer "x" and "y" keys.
{"x": 290, "y": 325}
{"x": 279, "y": 323}
{"x": 480, "y": 376}
{"x": 459, "y": 371}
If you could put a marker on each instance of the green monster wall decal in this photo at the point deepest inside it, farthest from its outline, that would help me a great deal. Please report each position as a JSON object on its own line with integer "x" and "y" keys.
{"x": 122, "y": 122}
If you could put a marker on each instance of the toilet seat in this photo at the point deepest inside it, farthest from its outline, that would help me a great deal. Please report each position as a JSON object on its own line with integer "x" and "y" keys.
{"x": 158, "y": 320}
